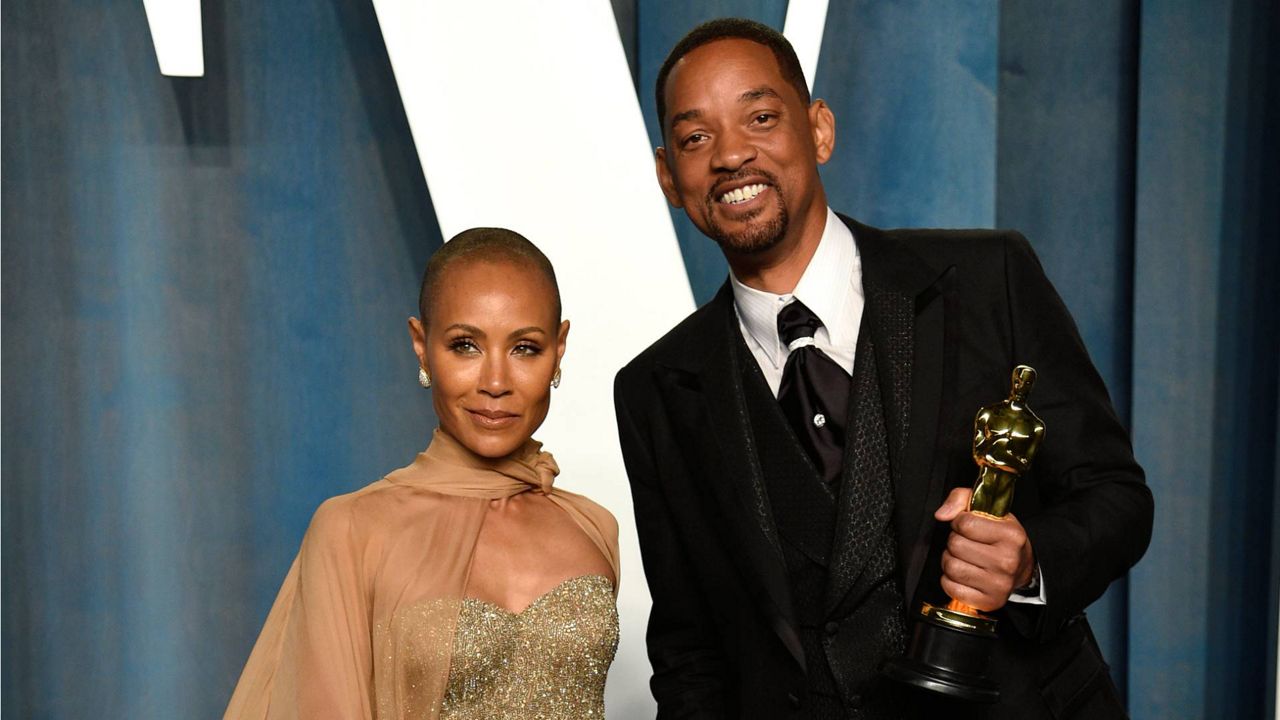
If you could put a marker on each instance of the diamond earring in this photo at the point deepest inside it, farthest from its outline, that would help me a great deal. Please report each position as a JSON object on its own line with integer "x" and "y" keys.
{"x": 555, "y": 379}
{"x": 424, "y": 378}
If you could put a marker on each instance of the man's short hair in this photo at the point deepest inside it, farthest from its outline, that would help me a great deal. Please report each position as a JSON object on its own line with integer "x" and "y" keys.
{"x": 725, "y": 29}
{"x": 484, "y": 244}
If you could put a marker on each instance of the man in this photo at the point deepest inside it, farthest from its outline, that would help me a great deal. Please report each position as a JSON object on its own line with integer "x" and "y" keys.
{"x": 798, "y": 446}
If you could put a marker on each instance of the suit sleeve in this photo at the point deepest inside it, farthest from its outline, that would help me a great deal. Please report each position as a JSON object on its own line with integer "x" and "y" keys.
{"x": 688, "y": 667}
{"x": 1096, "y": 515}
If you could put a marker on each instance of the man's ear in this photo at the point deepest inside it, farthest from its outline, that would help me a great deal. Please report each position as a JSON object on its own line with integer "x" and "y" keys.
{"x": 665, "y": 181}
{"x": 823, "y": 124}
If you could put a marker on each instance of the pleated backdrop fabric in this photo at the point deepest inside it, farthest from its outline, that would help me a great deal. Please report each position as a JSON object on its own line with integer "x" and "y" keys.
{"x": 205, "y": 283}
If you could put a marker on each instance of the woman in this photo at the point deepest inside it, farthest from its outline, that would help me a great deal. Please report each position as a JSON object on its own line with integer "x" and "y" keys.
{"x": 463, "y": 585}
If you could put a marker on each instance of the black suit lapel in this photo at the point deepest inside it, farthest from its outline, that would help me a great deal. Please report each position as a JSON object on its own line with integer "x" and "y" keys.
{"x": 921, "y": 470}
{"x": 866, "y": 500}
{"x": 904, "y": 325}
{"x": 706, "y": 394}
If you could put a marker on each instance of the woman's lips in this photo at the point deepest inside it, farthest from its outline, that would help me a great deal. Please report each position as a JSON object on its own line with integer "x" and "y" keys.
{"x": 492, "y": 419}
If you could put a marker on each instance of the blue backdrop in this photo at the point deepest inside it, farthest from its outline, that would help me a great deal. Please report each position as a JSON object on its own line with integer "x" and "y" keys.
{"x": 205, "y": 283}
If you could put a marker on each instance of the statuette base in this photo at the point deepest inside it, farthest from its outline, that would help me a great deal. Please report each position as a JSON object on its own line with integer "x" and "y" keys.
{"x": 948, "y": 654}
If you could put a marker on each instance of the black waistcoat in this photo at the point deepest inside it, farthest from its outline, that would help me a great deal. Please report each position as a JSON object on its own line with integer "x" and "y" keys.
{"x": 839, "y": 549}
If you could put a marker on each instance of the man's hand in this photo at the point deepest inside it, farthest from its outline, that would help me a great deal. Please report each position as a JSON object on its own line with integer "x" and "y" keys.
{"x": 986, "y": 559}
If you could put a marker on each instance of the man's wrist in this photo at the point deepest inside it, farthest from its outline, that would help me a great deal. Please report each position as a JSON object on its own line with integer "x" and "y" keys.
{"x": 1032, "y": 586}
{"x": 1033, "y": 593}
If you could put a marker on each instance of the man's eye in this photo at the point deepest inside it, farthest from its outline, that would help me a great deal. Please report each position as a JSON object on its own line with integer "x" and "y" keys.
{"x": 764, "y": 118}
{"x": 693, "y": 139}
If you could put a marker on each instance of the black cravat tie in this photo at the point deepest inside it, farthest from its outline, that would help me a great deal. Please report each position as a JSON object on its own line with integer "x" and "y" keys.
{"x": 814, "y": 393}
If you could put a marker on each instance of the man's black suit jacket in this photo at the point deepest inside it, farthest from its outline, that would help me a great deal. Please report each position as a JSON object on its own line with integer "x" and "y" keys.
{"x": 722, "y": 634}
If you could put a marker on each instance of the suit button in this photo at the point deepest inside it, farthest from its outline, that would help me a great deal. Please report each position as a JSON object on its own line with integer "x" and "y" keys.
{"x": 793, "y": 699}
{"x": 831, "y": 628}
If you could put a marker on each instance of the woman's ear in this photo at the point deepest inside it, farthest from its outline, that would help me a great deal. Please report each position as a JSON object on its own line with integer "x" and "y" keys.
{"x": 562, "y": 339}
{"x": 418, "y": 336}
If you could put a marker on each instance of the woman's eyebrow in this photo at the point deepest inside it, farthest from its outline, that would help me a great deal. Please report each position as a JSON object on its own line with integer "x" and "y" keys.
{"x": 525, "y": 331}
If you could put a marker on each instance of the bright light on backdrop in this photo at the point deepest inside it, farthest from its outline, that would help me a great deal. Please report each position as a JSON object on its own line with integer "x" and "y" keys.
{"x": 177, "y": 35}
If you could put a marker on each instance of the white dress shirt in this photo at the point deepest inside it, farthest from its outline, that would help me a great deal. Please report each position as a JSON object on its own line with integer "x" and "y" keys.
{"x": 831, "y": 287}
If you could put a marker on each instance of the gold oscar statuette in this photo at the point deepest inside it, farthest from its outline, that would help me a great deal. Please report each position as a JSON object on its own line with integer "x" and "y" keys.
{"x": 951, "y": 644}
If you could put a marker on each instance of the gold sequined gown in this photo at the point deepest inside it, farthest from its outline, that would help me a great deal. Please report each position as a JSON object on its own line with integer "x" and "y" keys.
{"x": 548, "y": 661}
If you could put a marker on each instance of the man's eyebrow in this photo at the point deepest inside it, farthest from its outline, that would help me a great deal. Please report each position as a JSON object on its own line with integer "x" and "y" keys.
{"x": 757, "y": 93}
{"x": 686, "y": 115}
{"x": 748, "y": 96}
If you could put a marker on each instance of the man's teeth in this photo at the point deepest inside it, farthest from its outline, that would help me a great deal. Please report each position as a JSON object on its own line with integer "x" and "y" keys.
{"x": 742, "y": 194}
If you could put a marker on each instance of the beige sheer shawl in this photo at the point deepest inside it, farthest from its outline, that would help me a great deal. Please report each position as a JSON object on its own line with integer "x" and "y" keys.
{"x": 363, "y": 625}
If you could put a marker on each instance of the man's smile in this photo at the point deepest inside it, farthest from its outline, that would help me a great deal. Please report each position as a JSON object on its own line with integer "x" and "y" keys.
{"x": 743, "y": 194}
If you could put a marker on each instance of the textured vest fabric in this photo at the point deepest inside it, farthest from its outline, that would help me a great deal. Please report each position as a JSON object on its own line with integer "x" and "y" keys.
{"x": 803, "y": 509}
{"x": 864, "y": 596}
{"x": 839, "y": 549}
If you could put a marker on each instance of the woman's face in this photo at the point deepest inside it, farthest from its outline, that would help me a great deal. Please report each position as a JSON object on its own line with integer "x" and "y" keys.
{"x": 492, "y": 346}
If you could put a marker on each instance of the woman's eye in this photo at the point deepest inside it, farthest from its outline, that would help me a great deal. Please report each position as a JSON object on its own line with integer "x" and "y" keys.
{"x": 464, "y": 346}
{"x": 527, "y": 349}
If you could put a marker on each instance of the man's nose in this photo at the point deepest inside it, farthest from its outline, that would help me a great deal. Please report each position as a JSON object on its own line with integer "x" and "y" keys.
{"x": 733, "y": 150}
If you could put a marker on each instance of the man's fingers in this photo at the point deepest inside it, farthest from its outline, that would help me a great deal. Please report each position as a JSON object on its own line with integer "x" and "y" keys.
{"x": 957, "y": 502}
{"x": 988, "y": 557}
{"x": 984, "y": 529}
{"x": 974, "y": 585}
{"x": 972, "y": 597}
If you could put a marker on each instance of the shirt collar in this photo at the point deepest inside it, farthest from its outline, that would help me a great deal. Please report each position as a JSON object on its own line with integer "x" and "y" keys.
{"x": 824, "y": 288}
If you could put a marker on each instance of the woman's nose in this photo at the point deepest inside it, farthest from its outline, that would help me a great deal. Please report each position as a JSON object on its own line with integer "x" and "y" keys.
{"x": 495, "y": 376}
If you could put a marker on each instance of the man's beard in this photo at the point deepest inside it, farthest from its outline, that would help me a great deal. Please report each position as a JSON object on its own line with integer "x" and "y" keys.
{"x": 756, "y": 237}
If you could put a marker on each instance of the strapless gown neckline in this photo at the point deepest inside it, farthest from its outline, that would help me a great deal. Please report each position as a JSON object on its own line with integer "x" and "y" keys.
{"x": 548, "y": 660}
{"x": 553, "y": 591}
